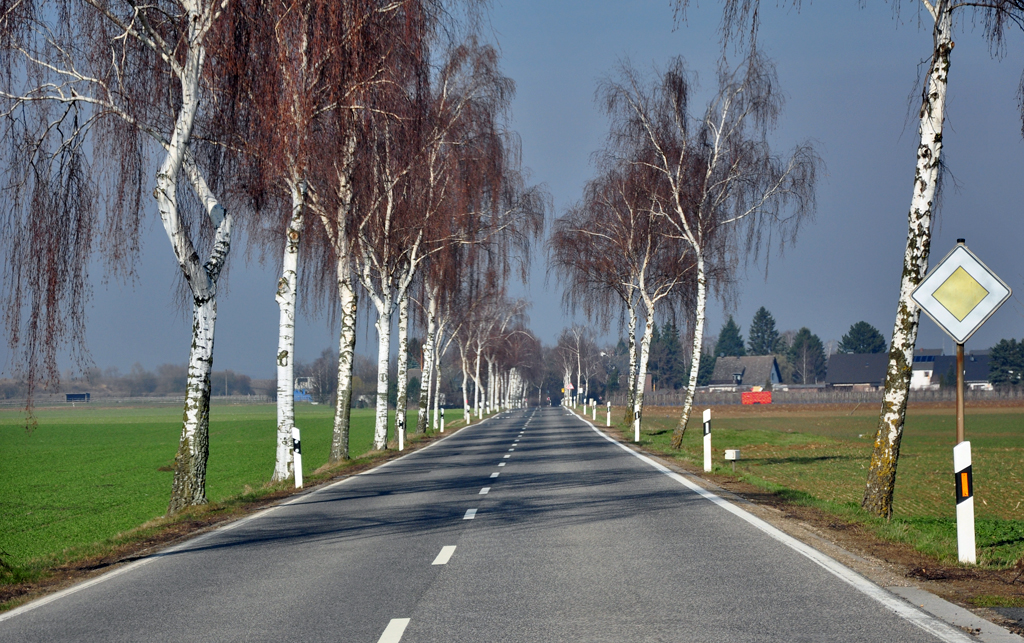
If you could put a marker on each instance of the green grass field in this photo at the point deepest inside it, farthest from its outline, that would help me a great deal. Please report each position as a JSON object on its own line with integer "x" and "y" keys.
{"x": 821, "y": 457}
{"x": 89, "y": 472}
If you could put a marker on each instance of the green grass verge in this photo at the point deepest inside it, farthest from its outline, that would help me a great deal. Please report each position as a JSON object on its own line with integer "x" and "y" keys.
{"x": 87, "y": 474}
{"x": 821, "y": 459}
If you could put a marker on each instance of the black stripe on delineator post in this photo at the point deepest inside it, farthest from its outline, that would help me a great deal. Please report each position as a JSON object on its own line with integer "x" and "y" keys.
{"x": 964, "y": 484}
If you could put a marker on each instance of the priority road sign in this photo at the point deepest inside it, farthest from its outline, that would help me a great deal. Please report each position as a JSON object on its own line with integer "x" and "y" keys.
{"x": 960, "y": 293}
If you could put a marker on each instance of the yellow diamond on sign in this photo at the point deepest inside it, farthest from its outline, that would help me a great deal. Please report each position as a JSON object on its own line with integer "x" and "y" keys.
{"x": 960, "y": 293}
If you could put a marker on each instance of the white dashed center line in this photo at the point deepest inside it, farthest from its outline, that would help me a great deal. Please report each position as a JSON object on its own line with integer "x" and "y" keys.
{"x": 470, "y": 514}
{"x": 485, "y": 491}
{"x": 394, "y": 631}
{"x": 495, "y": 474}
{"x": 501, "y": 464}
{"x": 511, "y": 449}
{"x": 445, "y": 555}
{"x": 507, "y": 455}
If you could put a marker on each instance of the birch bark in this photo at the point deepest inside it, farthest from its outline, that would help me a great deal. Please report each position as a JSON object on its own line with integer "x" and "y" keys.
{"x": 641, "y": 374}
{"x": 631, "y": 385}
{"x": 286, "y": 297}
{"x": 881, "y": 481}
{"x": 698, "y": 340}
{"x": 403, "y": 368}
{"x": 348, "y": 302}
{"x": 427, "y": 367}
{"x": 383, "y": 326}
{"x": 189, "y": 485}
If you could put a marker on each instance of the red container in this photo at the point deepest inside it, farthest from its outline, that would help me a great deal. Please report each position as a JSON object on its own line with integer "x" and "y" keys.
{"x": 760, "y": 397}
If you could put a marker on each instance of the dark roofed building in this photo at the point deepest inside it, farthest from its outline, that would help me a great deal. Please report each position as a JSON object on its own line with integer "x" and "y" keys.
{"x": 745, "y": 371}
{"x": 853, "y": 370}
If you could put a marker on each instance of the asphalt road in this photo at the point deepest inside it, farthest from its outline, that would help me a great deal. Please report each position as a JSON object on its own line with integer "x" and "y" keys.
{"x": 558, "y": 535}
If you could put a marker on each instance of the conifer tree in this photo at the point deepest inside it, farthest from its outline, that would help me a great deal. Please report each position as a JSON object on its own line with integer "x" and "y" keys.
{"x": 807, "y": 355}
{"x": 764, "y": 338}
{"x": 862, "y": 338}
{"x": 730, "y": 342}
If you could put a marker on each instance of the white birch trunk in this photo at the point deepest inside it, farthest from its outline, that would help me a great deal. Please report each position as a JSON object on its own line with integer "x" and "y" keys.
{"x": 348, "y": 304}
{"x": 631, "y": 384}
{"x": 438, "y": 356}
{"x": 641, "y": 374}
{"x": 427, "y": 367}
{"x": 380, "y": 425}
{"x": 189, "y": 485}
{"x": 477, "y": 387}
{"x": 286, "y": 297}
{"x": 881, "y": 481}
{"x": 698, "y": 340}
{"x": 403, "y": 369}
{"x": 466, "y": 413}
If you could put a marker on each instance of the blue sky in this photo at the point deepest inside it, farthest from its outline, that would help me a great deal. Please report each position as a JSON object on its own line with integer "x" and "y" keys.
{"x": 848, "y": 75}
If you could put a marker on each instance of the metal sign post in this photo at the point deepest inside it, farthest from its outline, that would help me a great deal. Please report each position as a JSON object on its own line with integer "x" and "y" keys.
{"x": 960, "y": 294}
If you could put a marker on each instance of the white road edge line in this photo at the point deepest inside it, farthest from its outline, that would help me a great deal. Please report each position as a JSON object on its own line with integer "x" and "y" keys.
{"x": 74, "y": 589}
{"x": 470, "y": 514}
{"x": 445, "y": 555}
{"x": 904, "y": 609}
{"x": 394, "y": 631}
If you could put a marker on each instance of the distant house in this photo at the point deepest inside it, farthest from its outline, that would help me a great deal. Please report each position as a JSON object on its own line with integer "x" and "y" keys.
{"x": 924, "y": 368}
{"x": 930, "y": 366}
{"x": 858, "y": 372}
{"x": 732, "y": 373}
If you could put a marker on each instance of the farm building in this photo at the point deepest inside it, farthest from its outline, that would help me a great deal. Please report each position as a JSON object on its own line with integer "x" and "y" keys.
{"x": 856, "y": 371}
{"x": 732, "y": 373}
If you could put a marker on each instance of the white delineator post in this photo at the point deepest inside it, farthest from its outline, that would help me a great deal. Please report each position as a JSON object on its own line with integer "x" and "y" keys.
{"x": 594, "y": 416}
{"x": 442, "y": 421}
{"x": 400, "y": 429}
{"x": 636, "y": 426}
{"x": 608, "y": 421}
{"x": 297, "y": 449}
{"x": 964, "y": 503}
{"x": 707, "y": 440}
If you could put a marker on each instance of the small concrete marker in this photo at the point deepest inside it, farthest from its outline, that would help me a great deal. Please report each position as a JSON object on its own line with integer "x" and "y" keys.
{"x": 485, "y": 491}
{"x": 470, "y": 514}
{"x": 394, "y": 631}
{"x": 445, "y": 555}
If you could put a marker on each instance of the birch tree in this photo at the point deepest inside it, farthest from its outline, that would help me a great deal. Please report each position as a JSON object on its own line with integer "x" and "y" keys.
{"x": 995, "y": 17}
{"x": 104, "y": 76}
{"x": 612, "y": 246}
{"x": 722, "y": 187}
{"x": 288, "y": 76}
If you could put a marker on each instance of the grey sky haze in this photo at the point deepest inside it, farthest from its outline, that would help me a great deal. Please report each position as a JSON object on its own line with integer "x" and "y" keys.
{"x": 848, "y": 75}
